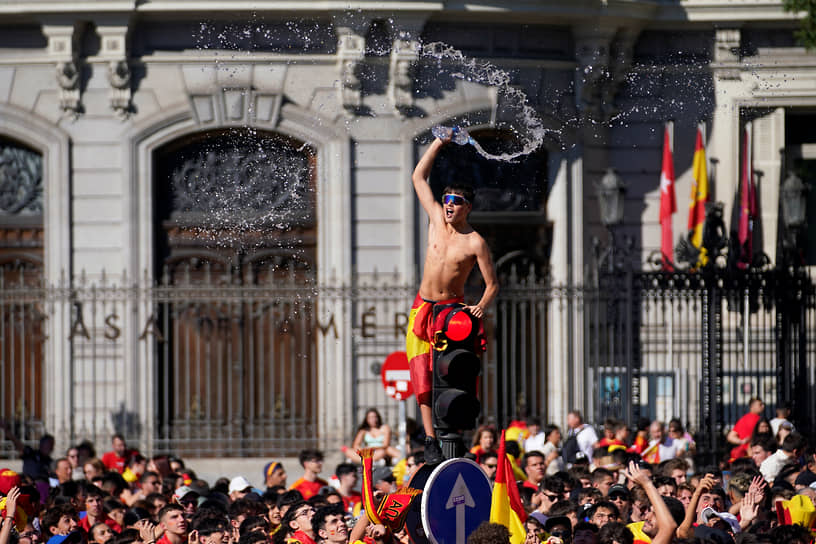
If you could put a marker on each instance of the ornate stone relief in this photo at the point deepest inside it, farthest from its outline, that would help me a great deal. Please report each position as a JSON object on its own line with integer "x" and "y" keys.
{"x": 68, "y": 80}
{"x": 727, "y": 53}
{"x": 404, "y": 55}
{"x": 62, "y": 39}
{"x": 350, "y": 53}
{"x": 113, "y": 48}
{"x": 20, "y": 180}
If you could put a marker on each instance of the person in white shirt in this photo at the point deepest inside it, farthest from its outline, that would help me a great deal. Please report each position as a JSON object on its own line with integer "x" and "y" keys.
{"x": 537, "y": 438}
{"x": 552, "y": 454}
{"x": 783, "y": 412}
{"x": 791, "y": 450}
{"x": 667, "y": 447}
{"x": 585, "y": 434}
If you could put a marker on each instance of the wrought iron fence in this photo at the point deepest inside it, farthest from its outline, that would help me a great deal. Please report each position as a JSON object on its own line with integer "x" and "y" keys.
{"x": 223, "y": 364}
{"x": 697, "y": 346}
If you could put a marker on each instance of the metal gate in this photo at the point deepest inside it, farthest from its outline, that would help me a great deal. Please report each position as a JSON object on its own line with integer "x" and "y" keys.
{"x": 697, "y": 346}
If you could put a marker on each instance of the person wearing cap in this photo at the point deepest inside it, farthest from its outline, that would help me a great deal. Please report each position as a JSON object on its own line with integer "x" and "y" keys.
{"x": 705, "y": 494}
{"x": 724, "y": 521}
{"x": 620, "y": 496}
{"x": 383, "y": 479}
{"x": 186, "y": 497}
{"x": 238, "y": 488}
{"x": 559, "y": 527}
{"x": 274, "y": 475}
{"x": 309, "y": 484}
{"x": 173, "y": 524}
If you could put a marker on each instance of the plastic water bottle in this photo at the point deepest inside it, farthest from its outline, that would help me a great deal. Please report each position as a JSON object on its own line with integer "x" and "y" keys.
{"x": 458, "y": 135}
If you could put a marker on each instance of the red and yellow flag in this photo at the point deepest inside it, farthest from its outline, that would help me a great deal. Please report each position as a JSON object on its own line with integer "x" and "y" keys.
{"x": 393, "y": 509}
{"x": 699, "y": 197}
{"x": 506, "y": 508}
{"x": 668, "y": 203}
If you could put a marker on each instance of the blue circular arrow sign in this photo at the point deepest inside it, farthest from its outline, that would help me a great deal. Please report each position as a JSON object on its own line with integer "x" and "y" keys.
{"x": 456, "y": 500}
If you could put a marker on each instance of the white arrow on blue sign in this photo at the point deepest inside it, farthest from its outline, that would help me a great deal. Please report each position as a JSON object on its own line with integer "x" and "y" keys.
{"x": 455, "y": 501}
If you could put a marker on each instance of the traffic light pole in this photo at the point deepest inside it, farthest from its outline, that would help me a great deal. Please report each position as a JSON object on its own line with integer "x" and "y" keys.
{"x": 453, "y": 445}
{"x": 456, "y": 368}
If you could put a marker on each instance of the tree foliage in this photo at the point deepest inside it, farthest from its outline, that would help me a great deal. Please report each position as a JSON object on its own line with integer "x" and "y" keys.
{"x": 806, "y": 35}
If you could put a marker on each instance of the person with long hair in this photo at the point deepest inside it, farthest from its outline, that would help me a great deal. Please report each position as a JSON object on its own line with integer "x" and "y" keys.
{"x": 484, "y": 440}
{"x": 372, "y": 433}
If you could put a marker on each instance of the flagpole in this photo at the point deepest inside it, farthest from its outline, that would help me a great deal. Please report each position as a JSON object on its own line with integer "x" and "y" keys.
{"x": 749, "y": 164}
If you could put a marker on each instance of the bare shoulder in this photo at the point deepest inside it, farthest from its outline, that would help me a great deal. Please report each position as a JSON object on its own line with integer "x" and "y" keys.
{"x": 477, "y": 242}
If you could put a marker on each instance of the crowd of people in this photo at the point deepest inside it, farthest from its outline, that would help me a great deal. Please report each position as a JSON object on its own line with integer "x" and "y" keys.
{"x": 577, "y": 487}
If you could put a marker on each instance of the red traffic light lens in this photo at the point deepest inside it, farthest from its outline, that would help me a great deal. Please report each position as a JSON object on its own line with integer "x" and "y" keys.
{"x": 459, "y": 327}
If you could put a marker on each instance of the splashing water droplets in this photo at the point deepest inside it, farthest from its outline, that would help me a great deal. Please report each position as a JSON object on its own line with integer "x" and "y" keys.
{"x": 531, "y": 132}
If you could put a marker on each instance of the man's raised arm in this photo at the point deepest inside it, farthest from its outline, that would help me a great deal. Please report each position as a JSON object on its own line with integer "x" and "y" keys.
{"x": 420, "y": 179}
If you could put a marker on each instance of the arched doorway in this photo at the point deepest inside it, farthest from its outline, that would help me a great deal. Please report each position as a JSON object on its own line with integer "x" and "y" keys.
{"x": 22, "y": 314}
{"x": 235, "y": 240}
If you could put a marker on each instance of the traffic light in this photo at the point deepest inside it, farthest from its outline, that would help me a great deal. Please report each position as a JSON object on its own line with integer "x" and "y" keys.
{"x": 456, "y": 368}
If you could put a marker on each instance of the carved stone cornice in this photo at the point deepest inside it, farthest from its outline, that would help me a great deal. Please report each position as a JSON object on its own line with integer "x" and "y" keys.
{"x": 404, "y": 55}
{"x": 405, "y": 52}
{"x": 62, "y": 48}
{"x": 350, "y": 53}
{"x": 727, "y": 58}
{"x": 114, "y": 49}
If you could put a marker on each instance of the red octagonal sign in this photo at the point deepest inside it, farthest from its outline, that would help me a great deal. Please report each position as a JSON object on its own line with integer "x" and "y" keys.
{"x": 396, "y": 377}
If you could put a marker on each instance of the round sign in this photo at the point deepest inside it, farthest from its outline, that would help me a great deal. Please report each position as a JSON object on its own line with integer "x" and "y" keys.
{"x": 456, "y": 500}
{"x": 396, "y": 377}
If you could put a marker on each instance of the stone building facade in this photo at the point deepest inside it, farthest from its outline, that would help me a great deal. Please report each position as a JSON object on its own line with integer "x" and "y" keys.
{"x": 120, "y": 106}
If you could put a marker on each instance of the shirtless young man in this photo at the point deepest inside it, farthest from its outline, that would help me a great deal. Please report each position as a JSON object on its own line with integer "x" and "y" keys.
{"x": 453, "y": 249}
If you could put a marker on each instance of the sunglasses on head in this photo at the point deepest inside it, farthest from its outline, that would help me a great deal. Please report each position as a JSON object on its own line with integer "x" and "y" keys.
{"x": 456, "y": 200}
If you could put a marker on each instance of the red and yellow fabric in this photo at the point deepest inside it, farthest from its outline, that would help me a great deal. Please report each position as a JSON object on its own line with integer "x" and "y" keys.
{"x": 652, "y": 454}
{"x": 418, "y": 345}
{"x": 20, "y": 516}
{"x": 797, "y": 511}
{"x": 505, "y": 507}
{"x": 393, "y": 509}
{"x": 308, "y": 489}
{"x": 299, "y": 537}
{"x": 699, "y": 197}
{"x": 637, "y": 531}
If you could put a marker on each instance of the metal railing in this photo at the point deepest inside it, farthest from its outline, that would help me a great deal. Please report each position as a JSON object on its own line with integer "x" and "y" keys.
{"x": 222, "y": 364}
